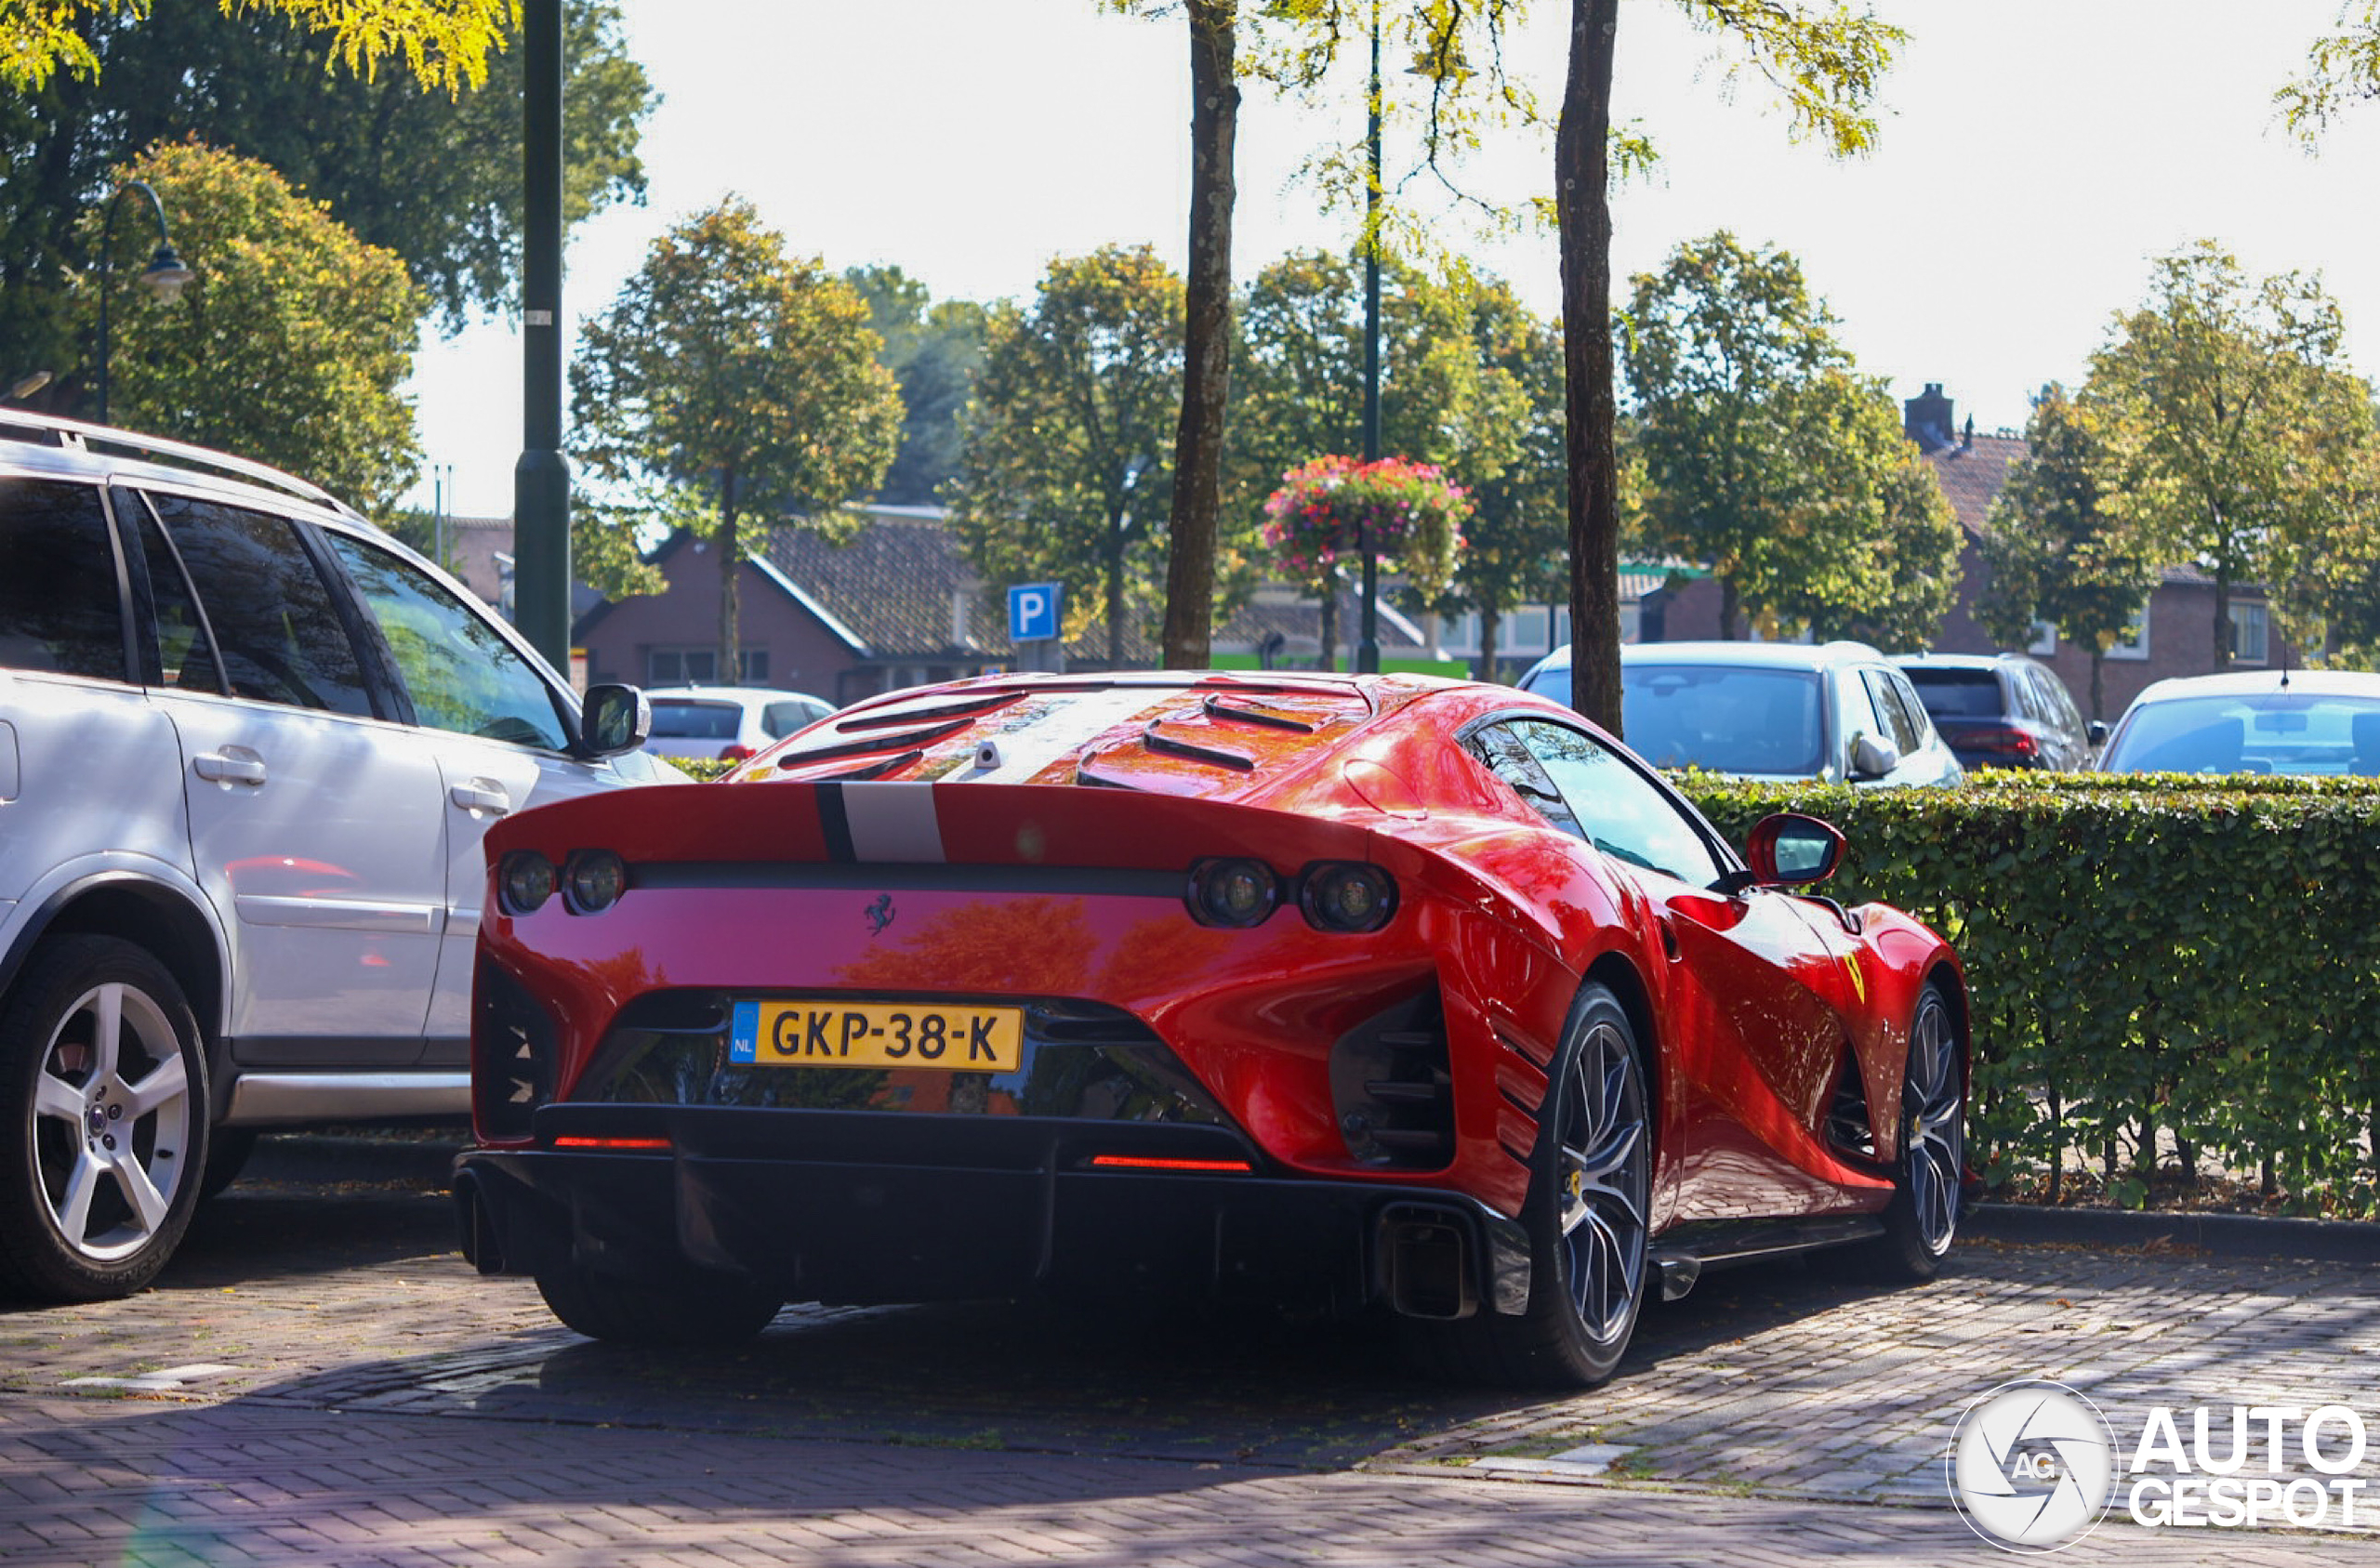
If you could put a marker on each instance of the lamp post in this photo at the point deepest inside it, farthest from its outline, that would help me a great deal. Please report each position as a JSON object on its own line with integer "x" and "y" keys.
{"x": 163, "y": 276}
{"x": 1367, "y": 640}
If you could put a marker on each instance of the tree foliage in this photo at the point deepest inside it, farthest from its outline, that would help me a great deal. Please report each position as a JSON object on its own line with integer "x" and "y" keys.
{"x": 445, "y": 43}
{"x": 934, "y": 348}
{"x": 1066, "y": 471}
{"x": 728, "y": 368}
{"x": 289, "y": 345}
{"x": 432, "y": 175}
{"x": 2055, "y": 553}
{"x": 2232, "y": 424}
{"x": 2342, "y": 68}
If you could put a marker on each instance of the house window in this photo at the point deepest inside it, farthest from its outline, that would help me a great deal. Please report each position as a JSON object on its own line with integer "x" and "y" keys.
{"x": 2041, "y": 639}
{"x": 1462, "y": 633}
{"x": 2248, "y": 633}
{"x": 699, "y": 666}
{"x": 1525, "y": 632}
{"x": 2133, "y": 641}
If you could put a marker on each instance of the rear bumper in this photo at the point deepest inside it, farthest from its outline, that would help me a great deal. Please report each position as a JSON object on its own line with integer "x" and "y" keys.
{"x": 854, "y": 1208}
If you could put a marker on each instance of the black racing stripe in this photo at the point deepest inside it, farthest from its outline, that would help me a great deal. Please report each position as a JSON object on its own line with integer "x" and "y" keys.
{"x": 836, "y": 823}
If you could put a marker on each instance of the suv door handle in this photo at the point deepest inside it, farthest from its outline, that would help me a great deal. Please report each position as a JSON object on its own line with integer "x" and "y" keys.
{"x": 231, "y": 765}
{"x": 481, "y": 794}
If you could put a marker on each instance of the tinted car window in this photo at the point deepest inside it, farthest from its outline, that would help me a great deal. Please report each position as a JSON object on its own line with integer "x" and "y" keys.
{"x": 781, "y": 720}
{"x": 1733, "y": 721}
{"x": 276, "y": 622}
{"x": 676, "y": 719}
{"x": 2264, "y": 733}
{"x": 1901, "y": 726}
{"x": 1624, "y": 814}
{"x": 185, "y": 648}
{"x": 60, "y": 611}
{"x": 1958, "y": 693}
{"x": 460, "y": 672}
{"x": 1510, "y": 759}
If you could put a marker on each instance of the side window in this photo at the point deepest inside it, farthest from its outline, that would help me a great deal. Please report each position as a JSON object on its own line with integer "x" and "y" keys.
{"x": 1501, "y": 749}
{"x": 1625, "y": 814}
{"x": 60, "y": 608}
{"x": 276, "y": 623}
{"x": 463, "y": 676}
{"x": 1912, "y": 710}
{"x": 184, "y": 646}
{"x": 781, "y": 720}
{"x": 1898, "y": 728}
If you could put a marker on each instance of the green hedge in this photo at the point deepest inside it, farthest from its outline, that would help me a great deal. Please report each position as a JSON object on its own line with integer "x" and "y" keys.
{"x": 2192, "y": 956}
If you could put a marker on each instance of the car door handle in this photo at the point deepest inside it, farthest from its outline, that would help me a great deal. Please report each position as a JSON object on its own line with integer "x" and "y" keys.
{"x": 479, "y": 795}
{"x": 231, "y": 765}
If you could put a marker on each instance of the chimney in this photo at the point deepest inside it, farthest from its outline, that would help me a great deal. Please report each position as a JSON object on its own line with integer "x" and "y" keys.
{"x": 1927, "y": 419}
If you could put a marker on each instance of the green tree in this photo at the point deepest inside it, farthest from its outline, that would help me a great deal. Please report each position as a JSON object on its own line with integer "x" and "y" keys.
{"x": 445, "y": 43}
{"x": 1869, "y": 545}
{"x": 290, "y": 344}
{"x": 2053, "y": 552}
{"x": 1066, "y": 473}
{"x": 1724, "y": 349}
{"x": 431, "y": 174}
{"x": 934, "y": 348}
{"x": 2230, "y": 420}
{"x": 2341, "y": 68}
{"x": 727, "y": 367}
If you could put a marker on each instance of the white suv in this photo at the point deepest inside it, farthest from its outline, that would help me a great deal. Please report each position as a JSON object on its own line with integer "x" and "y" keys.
{"x": 248, "y": 745}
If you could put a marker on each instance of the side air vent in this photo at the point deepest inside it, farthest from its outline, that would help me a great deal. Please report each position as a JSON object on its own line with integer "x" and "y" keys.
{"x": 513, "y": 1055}
{"x": 1392, "y": 1090}
{"x": 1848, "y": 1126}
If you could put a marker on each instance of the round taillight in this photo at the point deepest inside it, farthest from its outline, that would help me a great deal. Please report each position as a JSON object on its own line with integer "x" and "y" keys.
{"x": 1233, "y": 893}
{"x": 526, "y": 880}
{"x": 1347, "y": 896}
{"x": 594, "y": 880}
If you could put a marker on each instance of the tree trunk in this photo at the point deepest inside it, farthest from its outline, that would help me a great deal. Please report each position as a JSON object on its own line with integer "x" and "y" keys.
{"x": 1582, "y": 194}
{"x": 1329, "y": 659}
{"x": 1206, "y": 361}
{"x": 2222, "y": 621}
{"x": 1491, "y": 623}
{"x": 1115, "y": 591}
{"x": 731, "y": 612}
{"x": 1730, "y": 606}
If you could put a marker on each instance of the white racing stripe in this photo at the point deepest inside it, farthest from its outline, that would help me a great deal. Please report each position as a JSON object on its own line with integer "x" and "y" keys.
{"x": 892, "y": 821}
{"x": 1065, "y": 727}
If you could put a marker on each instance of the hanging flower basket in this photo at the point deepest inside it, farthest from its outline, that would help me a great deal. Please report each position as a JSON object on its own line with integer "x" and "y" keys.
{"x": 1332, "y": 508}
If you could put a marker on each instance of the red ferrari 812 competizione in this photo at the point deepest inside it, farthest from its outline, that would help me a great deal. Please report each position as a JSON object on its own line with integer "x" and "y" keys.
{"x": 1335, "y": 992}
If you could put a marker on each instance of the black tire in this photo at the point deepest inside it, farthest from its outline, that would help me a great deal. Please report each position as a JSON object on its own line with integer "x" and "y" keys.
{"x": 688, "y": 1309}
{"x": 102, "y": 1121}
{"x": 227, "y": 1155}
{"x": 1922, "y": 1218}
{"x": 1587, "y": 1212}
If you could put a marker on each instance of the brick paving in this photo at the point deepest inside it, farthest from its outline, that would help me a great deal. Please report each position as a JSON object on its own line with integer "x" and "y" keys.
{"x": 382, "y": 1405}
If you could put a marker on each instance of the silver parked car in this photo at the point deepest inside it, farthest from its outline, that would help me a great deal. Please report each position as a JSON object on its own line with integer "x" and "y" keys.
{"x": 727, "y": 723}
{"x": 2251, "y": 721}
{"x": 248, "y": 745}
{"x": 1837, "y": 711}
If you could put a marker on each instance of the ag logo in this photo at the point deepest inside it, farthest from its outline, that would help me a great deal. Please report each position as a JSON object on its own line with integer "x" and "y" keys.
{"x": 2031, "y": 1466}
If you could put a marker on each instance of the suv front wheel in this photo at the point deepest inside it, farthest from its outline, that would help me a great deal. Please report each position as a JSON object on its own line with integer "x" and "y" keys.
{"x": 102, "y": 1121}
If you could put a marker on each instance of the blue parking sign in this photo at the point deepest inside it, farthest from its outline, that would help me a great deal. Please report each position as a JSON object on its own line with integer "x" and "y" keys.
{"x": 1033, "y": 612}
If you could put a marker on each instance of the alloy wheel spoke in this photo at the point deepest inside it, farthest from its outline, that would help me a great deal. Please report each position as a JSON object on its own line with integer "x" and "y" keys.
{"x": 165, "y": 1083}
{"x": 58, "y": 1100}
{"x": 107, "y": 1028}
{"x": 74, "y": 1206}
{"x": 148, "y": 1204}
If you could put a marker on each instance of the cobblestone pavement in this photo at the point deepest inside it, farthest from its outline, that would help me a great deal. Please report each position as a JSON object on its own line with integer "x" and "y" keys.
{"x": 319, "y": 1374}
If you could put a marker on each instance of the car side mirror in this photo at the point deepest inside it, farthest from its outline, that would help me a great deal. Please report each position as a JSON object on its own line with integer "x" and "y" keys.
{"x": 1873, "y": 756}
{"x": 1789, "y": 848}
{"x": 2098, "y": 732}
{"x": 613, "y": 719}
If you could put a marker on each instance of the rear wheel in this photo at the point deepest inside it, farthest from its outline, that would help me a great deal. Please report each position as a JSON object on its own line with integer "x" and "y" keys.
{"x": 102, "y": 1121}
{"x": 1923, "y": 1214}
{"x": 1587, "y": 1213}
{"x": 686, "y": 1308}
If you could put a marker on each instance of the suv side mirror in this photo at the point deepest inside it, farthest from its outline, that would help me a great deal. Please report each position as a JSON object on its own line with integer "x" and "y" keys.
{"x": 613, "y": 719}
{"x": 1789, "y": 848}
{"x": 2098, "y": 732}
{"x": 1873, "y": 756}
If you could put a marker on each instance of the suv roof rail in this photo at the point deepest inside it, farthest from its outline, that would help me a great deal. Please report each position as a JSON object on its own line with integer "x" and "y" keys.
{"x": 75, "y": 435}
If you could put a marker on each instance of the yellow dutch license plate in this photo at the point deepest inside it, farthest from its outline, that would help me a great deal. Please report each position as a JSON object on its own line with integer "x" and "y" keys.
{"x": 816, "y": 1031}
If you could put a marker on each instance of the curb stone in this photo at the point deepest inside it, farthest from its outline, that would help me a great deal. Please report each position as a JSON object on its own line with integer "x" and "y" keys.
{"x": 2223, "y": 1235}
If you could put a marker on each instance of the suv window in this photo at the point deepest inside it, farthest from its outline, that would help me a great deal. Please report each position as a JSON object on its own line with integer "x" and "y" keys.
{"x": 279, "y": 629}
{"x": 1903, "y": 728}
{"x": 60, "y": 610}
{"x": 460, "y": 672}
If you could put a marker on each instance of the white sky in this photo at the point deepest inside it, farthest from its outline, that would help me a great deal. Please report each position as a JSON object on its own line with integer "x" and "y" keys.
{"x": 2035, "y": 154}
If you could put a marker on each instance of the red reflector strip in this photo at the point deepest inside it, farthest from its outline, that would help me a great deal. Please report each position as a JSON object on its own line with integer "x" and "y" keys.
{"x": 574, "y": 1140}
{"x": 1146, "y": 1162}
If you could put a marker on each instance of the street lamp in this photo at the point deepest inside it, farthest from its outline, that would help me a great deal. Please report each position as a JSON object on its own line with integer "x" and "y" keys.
{"x": 163, "y": 276}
